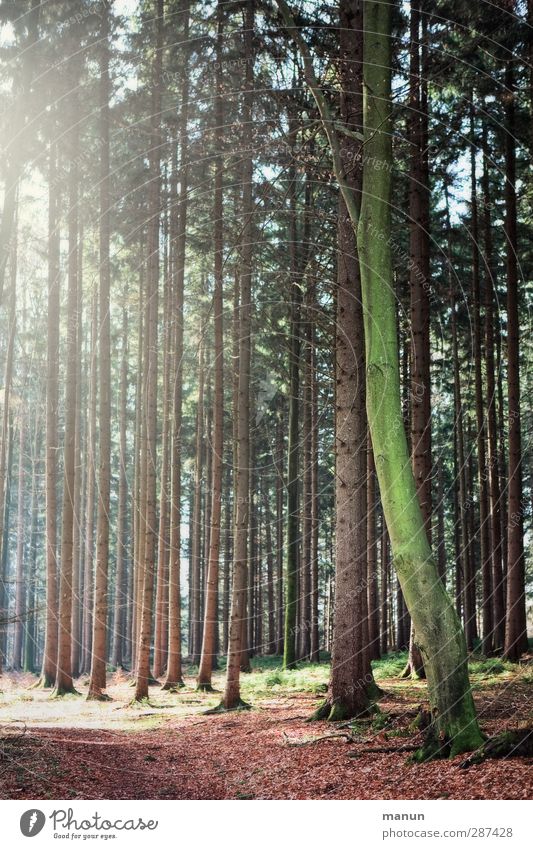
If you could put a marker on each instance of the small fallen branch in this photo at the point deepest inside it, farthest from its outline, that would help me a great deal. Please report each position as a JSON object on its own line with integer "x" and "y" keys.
{"x": 311, "y": 740}
{"x": 383, "y": 750}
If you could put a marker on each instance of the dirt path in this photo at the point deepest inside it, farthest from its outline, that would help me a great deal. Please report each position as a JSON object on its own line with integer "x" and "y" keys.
{"x": 248, "y": 756}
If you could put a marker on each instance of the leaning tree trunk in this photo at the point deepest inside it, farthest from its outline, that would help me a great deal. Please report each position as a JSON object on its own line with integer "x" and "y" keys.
{"x": 439, "y": 633}
{"x": 438, "y": 628}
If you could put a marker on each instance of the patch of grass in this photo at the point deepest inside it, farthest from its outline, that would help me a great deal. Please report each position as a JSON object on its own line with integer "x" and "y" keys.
{"x": 268, "y": 677}
{"x": 490, "y": 666}
{"x": 390, "y": 666}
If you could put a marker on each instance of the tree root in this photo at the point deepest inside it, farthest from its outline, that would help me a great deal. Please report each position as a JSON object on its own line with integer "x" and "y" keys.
{"x": 221, "y": 708}
{"x": 98, "y": 696}
{"x": 59, "y": 692}
{"x": 338, "y": 712}
{"x": 206, "y": 688}
{"x": 517, "y": 743}
{"x": 173, "y": 686}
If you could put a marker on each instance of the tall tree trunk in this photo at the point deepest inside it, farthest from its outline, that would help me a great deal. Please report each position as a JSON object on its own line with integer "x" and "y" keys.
{"x": 436, "y": 623}
{"x": 30, "y": 637}
{"x": 20, "y": 582}
{"x": 119, "y": 618}
{"x": 280, "y": 465}
{"x": 515, "y": 623}
{"x": 97, "y": 682}
{"x": 49, "y": 666}
{"x": 350, "y": 661}
{"x": 495, "y": 506}
{"x": 419, "y": 295}
{"x": 484, "y": 535}
{"x": 174, "y": 672}
{"x": 4, "y": 452}
{"x": 161, "y": 603}
{"x": 371, "y": 565}
{"x": 77, "y": 535}
{"x": 232, "y": 698}
{"x": 211, "y": 594}
{"x": 196, "y": 522}
{"x": 149, "y": 553}
{"x": 315, "y": 640}
{"x": 64, "y": 683}
{"x": 88, "y": 582}
{"x": 438, "y": 629}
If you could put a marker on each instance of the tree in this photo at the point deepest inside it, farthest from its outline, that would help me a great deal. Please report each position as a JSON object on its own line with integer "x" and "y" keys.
{"x": 232, "y": 698}
{"x": 148, "y": 540}
{"x": 210, "y": 618}
{"x": 99, "y": 639}
{"x": 435, "y": 620}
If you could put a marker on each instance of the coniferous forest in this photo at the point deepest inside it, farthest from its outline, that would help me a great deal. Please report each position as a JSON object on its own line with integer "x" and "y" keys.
{"x": 266, "y": 472}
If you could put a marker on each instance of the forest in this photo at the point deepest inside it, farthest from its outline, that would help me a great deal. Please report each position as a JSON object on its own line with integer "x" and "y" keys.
{"x": 266, "y": 473}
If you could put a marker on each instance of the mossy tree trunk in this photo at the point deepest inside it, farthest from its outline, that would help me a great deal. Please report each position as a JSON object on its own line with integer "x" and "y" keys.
{"x": 439, "y": 634}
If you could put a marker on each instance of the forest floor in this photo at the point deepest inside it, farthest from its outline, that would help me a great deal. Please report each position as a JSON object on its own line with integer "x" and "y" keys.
{"x": 167, "y": 748}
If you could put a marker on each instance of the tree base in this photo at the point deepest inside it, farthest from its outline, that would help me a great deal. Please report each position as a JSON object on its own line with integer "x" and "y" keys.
{"x": 339, "y": 712}
{"x": 414, "y": 674}
{"x": 205, "y": 688}
{"x": 221, "y": 708}
{"x": 507, "y": 744}
{"x": 98, "y": 696}
{"x": 59, "y": 692}
{"x": 173, "y": 686}
{"x": 438, "y": 746}
{"x": 43, "y": 683}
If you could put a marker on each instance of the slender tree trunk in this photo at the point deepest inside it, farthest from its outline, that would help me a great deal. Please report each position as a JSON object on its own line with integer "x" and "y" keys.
{"x": 30, "y": 637}
{"x": 64, "y": 683}
{"x": 174, "y": 671}
{"x": 280, "y": 465}
{"x": 97, "y": 682}
{"x": 515, "y": 623}
{"x": 211, "y": 617}
{"x": 161, "y": 604}
{"x": 419, "y": 295}
{"x": 232, "y": 698}
{"x": 293, "y": 471}
{"x": 314, "y": 530}
{"x": 4, "y": 453}
{"x": 49, "y": 666}
{"x": 484, "y": 530}
{"x": 88, "y": 582}
{"x": 350, "y": 660}
{"x": 143, "y": 657}
{"x": 371, "y": 564}
{"x": 196, "y": 523}
{"x": 20, "y": 582}
{"x": 119, "y": 618}
{"x": 492, "y": 426}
